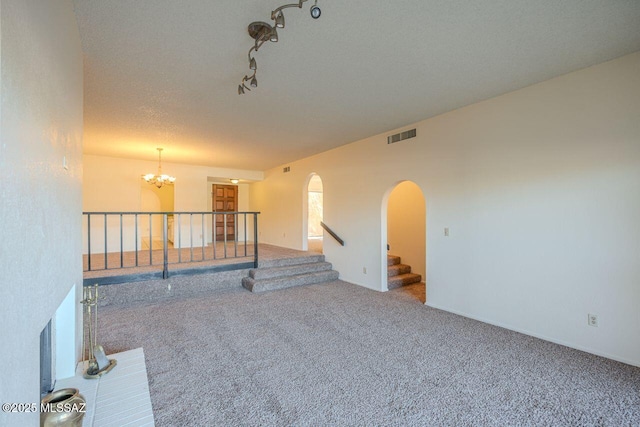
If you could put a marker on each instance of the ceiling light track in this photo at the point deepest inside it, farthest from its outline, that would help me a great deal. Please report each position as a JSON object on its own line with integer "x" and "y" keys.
{"x": 263, "y": 32}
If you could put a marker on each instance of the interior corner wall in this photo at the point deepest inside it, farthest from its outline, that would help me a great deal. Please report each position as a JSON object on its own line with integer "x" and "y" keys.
{"x": 406, "y": 226}
{"x": 540, "y": 189}
{"x": 41, "y": 201}
{"x": 275, "y": 220}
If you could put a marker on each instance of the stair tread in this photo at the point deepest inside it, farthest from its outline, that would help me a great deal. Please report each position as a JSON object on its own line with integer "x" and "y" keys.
{"x": 402, "y": 280}
{"x": 286, "y": 262}
{"x": 406, "y": 275}
{"x": 398, "y": 269}
{"x": 393, "y": 260}
{"x": 289, "y": 270}
{"x": 283, "y": 282}
{"x": 291, "y": 277}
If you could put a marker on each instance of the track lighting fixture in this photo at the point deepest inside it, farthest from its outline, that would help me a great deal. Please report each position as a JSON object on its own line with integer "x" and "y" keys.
{"x": 263, "y": 32}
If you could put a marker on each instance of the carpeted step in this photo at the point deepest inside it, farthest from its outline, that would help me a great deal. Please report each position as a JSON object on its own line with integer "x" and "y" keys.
{"x": 289, "y": 281}
{"x": 402, "y": 280}
{"x": 284, "y": 262}
{"x": 398, "y": 269}
{"x": 292, "y": 270}
{"x": 393, "y": 260}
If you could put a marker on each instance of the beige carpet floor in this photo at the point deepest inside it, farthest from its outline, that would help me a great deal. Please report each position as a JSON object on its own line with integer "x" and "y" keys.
{"x": 341, "y": 355}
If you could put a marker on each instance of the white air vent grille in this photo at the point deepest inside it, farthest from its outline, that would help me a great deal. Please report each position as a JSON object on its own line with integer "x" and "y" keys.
{"x": 401, "y": 136}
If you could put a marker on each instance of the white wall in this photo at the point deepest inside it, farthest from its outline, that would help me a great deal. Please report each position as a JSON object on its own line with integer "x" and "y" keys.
{"x": 41, "y": 124}
{"x": 406, "y": 226}
{"x": 113, "y": 184}
{"x": 540, "y": 189}
{"x": 162, "y": 199}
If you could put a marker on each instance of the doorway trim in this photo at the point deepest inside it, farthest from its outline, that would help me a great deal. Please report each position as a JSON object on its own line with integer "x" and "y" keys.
{"x": 384, "y": 233}
{"x": 305, "y": 209}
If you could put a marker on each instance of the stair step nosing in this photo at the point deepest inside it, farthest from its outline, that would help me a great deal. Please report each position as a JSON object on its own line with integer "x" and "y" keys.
{"x": 398, "y": 269}
{"x": 297, "y": 276}
{"x": 287, "y": 262}
{"x": 289, "y": 281}
{"x": 405, "y": 277}
{"x": 265, "y": 273}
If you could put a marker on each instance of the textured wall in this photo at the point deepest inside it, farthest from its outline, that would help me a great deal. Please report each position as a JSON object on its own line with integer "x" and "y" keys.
{"x": 540, "y": 189}
{"x": 41, "y": 106}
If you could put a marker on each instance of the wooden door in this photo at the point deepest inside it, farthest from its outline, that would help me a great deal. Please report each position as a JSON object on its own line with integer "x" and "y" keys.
{"x": 225, "y": 199}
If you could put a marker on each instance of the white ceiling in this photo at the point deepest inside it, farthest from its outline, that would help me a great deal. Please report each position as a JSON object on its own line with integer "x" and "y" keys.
{"x": 166, "y": 72}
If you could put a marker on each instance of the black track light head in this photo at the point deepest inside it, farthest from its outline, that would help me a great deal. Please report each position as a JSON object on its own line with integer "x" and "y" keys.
{"x": 315, "y": 11}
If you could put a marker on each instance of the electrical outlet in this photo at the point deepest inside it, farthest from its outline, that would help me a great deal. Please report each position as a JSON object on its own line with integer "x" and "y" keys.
{"x": 364, "y": 270}
{"x": 592, "y": 320}
{"x": 446, "y": 231}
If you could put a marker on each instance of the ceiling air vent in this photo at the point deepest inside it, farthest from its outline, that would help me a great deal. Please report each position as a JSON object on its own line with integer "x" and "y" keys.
{"x": 401, "y": 136}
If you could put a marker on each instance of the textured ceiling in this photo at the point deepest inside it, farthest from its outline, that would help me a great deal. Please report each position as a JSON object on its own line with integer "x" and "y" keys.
{"x": 165, "y": 72}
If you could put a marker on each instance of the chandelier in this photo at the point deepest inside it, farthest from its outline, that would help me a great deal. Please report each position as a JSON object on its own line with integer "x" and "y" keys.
{"x": 159, "y": 179}
{"x": 263, "y": 32}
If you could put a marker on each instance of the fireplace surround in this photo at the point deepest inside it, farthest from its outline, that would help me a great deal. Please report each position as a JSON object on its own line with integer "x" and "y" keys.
{"x": 58, "y": 344}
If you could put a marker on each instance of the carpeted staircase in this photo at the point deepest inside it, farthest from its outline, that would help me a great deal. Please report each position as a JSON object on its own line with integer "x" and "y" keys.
{"x": 399, "y": 274}
{"x": 285, "y": 273}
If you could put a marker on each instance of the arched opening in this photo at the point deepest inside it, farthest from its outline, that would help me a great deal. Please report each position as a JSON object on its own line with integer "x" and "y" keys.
{"x": 153, "y": 199}
{"x": 314, "y": 210}
{"x": 405, "y": 239}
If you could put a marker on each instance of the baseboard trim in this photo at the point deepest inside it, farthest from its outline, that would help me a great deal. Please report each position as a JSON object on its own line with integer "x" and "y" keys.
{"x": 533, "y": 334}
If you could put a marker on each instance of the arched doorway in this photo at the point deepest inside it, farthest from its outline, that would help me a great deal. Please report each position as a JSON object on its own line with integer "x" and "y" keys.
{"x": 153, "y": 199}
{"x": 405, "y": 239}
{"x": 314, "y": 210}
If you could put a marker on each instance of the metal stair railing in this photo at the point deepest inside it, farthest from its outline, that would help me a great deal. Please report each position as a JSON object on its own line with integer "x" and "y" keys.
{"x": 115, "y": 240}
{"x": 332, "y": 233}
